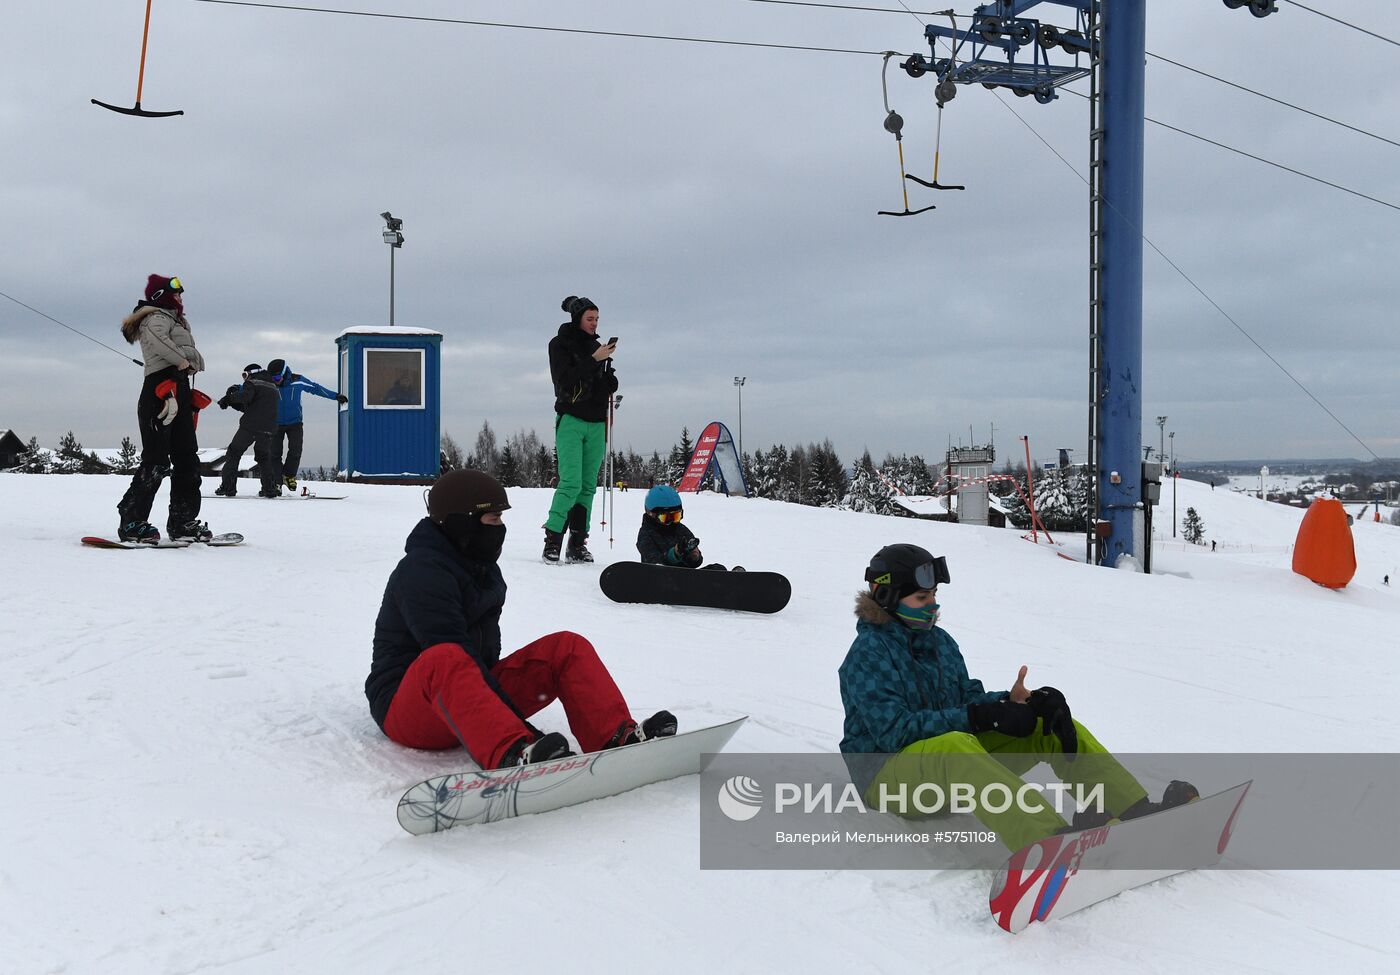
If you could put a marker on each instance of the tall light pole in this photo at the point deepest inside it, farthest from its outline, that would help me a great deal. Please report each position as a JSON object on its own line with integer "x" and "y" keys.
{"x": 1172, "y": 462}
{"x": 1161, "y": 426}
{"x": 1171, "y": 451}
{"x": 739, "y": 385}
{"x": 392, "y": 237}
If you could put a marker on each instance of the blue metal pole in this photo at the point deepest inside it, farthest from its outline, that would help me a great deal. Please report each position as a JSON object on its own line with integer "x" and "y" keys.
{"x": 1120, "y": 376}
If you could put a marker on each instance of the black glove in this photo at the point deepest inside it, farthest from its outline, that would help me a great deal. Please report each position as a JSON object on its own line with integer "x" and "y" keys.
{"x": 689, "y": 545}
{"x": 1016, "y": 720}
{"x": 1050, "y": 707}
{"x": 223, "y": 402}
{"x": 342, "y": 399}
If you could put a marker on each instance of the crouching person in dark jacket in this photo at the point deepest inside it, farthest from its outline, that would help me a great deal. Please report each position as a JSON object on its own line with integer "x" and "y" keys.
{"x": 257, "y": 399}
{"x": 438, "y": 679}
{"x": 663, "y": 540}
{"x": 914, "y": 718}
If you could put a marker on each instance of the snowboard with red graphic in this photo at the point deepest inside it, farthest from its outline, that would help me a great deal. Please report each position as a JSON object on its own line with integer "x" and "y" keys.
{"x": 1062, "y": 874}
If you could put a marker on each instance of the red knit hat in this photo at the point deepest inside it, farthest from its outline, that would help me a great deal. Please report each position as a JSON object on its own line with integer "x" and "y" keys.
{"x": 164, "y": 292}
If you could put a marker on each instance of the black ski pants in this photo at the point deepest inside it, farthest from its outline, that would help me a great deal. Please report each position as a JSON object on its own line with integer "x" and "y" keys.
{"x": 290, "y": 434}
{"x": 172, "y": 450}
{"x": 261, "y": 442}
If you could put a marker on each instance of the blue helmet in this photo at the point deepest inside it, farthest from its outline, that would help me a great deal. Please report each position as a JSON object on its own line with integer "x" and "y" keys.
{"x": 661, "y": 497}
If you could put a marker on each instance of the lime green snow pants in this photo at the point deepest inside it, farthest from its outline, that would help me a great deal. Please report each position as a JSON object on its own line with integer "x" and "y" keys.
{"x": 580, "y": 446}
{"x": 961, "y": 759}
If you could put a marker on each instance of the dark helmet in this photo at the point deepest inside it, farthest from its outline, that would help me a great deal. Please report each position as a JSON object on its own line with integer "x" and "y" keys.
{"x": 472, "y": 493}
{"x": 897, "y": 570}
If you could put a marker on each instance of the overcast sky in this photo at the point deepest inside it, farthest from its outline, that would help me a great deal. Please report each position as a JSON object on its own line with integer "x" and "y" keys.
{"x": 717, "y": 203}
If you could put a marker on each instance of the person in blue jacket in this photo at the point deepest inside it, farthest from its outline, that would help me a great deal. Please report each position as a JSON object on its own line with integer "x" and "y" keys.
{"x": 915, "y": 716}
{"x": 290, "y": 386}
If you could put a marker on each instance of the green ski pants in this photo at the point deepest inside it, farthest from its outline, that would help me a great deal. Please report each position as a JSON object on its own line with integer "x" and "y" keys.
{"x": 994, "y": 759}
{"x": 581, "y": 446}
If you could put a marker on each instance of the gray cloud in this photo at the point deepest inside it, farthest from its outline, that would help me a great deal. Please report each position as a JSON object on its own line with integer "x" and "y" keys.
{"x": 719, "y": 205}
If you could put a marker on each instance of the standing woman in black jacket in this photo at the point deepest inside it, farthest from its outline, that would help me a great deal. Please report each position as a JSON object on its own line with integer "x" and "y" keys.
{"x": 584, "y": 381}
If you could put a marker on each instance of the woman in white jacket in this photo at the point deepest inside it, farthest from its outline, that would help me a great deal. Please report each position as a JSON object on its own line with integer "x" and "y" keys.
{"x": 165, "y": 413}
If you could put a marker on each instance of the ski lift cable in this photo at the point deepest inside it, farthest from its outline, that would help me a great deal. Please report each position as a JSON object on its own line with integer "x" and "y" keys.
{"x": 1191, "y": 281}
{"x": 539, "y": 27}
{"x": 1344, "y": 23}
{"x": 71, "y": 328}
{"x": 1277, "y": 101}
{"x": 1262, "y": 159}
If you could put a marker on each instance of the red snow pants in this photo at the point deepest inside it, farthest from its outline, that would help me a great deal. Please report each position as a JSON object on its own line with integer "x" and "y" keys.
{"x": 444, "y": 700}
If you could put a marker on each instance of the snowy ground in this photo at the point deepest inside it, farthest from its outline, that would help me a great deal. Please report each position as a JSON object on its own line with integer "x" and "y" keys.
{"x": 190, "y": 780}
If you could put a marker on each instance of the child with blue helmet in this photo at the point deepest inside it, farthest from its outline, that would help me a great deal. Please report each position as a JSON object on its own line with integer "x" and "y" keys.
{"x": 662, "y": 539}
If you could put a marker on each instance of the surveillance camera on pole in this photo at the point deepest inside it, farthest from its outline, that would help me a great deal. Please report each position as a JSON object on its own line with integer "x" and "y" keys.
{"x": 392, "y": 236}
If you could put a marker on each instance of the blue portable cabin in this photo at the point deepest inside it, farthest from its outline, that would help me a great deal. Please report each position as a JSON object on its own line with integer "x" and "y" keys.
{"x": 390, "y": 430}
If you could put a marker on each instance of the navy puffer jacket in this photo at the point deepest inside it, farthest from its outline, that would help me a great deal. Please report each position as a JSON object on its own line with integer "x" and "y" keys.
{"x": 434, "y": 595}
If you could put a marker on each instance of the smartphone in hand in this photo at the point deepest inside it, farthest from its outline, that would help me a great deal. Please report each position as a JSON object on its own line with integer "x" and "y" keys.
{"x": 613, "y": 340}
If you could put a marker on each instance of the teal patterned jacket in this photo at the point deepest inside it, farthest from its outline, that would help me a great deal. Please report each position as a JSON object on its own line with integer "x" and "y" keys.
{"x": 900, "y": 686}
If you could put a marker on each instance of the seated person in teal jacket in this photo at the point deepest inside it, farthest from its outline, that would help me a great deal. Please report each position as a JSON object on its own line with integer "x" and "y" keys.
{"x": 914, "y": 716}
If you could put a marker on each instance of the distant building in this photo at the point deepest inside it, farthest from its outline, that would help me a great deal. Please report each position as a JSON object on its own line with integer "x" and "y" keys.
{"x": 11, "y": 449}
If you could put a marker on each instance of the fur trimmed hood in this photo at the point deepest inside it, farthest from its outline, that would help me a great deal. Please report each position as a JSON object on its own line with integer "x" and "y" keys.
{"x": 869, "y": 610}
{"x": 131, "y": 324}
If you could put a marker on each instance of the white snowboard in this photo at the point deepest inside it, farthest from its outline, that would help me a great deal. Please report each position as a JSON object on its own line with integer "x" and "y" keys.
{"x": 1063, "y": 874}
{"x": 467, "y": 798}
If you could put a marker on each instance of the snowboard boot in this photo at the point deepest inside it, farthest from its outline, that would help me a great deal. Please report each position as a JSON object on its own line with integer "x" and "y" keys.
{"x": 1088, "y": 819}
{"x": 139, "y": 531}
{"x": 662, "y": 724}
{"x": 291, "y": 483}
{"x": 578, "y": 548}
{"x": 191, "y": 531}
{"x": 553, "y": 541}
{"x": 717, "y": 567}
{"x": 737, "y": 568}
{"x": 226, "y": 494}
{"x": 544, "y": 749}
{"x": 1177, "y": 793}
{"x": 272, "y": 493}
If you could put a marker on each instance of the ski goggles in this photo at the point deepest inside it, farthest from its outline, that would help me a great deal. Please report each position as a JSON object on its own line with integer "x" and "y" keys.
{"x": 175, "y": 286}
{"x": 668, "y": 516}
{"x": 929, "y": 575}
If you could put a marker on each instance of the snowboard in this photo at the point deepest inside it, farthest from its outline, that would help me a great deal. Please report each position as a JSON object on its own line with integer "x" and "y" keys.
{"x": 218, "y": 541}
{"x": 96, "y": 542}
{"x": 281, "y": 497}
{"x": 469, "y": 798}
{"x": 751, "y": 592}
{"x": 1062, "y": 874}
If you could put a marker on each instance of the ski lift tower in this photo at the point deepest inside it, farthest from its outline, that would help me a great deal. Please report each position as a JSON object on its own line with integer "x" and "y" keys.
{"x": 1001, "y": 48}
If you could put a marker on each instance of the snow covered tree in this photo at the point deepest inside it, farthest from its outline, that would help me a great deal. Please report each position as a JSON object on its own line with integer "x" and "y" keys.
{"x": 680, "y": 458}
{"x": 1193, "y": 528}
{"x": 488, "y": 458}
{"x": 70, "y": 459}
{"x": 37, "y": 460}
{"x": 128, "y": 457}
{"x": 1054, "y": 504}
{"x": 452, "y": 459}
{"x": 865, "y": 493}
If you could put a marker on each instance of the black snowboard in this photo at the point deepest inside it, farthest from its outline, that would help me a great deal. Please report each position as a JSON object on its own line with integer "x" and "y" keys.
{"x": 752, "y": 592}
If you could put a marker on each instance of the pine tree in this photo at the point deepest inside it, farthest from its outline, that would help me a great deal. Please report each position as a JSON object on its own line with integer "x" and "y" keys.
{"x": 128, "y": 457}
{"x": 37, "y": 460}
{"x": 70, "y": 455}
{"x": 452, "y": 459}
{"x": 508, "y": 471}
{"x": 865, "y": 493}
{"x": 680, "y": 458}
{"x": 1193, "y": 528}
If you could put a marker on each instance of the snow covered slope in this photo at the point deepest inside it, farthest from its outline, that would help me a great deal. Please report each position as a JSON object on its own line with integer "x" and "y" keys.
{"x": 190, "y": 780}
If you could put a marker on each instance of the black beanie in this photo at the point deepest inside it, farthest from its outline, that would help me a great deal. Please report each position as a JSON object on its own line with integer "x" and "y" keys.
{"x": 576, "y": 306}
